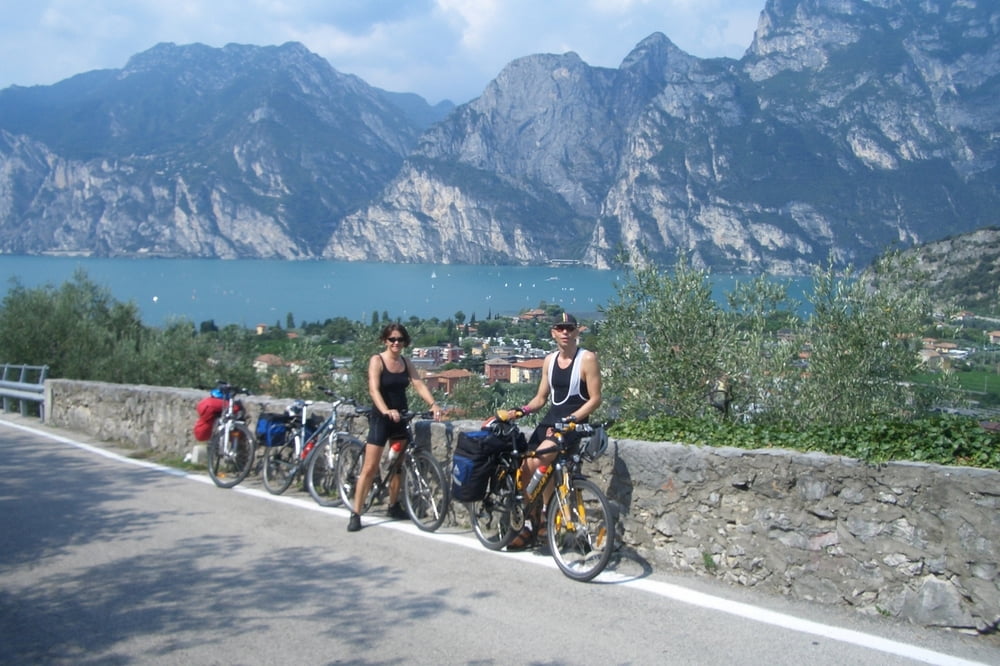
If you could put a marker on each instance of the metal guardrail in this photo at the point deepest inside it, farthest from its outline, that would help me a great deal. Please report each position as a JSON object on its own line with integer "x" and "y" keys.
{"x": 23, "y": 384}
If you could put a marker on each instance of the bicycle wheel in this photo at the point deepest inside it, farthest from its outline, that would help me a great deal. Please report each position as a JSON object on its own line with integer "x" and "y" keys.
{"x": 280, "y": 467}
{"x": 498, "y": 517}
{"x": 426, "y": 490}
{"x": 350, "y": 461}
{"x": 581, "y": 530}
{"x": 229, "y": 464}
{"x": 321, "y": 473}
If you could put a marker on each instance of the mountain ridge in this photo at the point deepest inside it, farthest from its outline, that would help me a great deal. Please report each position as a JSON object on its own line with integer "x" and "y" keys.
{"x": 843, "y": 130}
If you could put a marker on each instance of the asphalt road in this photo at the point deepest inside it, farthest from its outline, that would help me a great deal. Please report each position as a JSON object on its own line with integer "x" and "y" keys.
{"x": 110, "y": 560}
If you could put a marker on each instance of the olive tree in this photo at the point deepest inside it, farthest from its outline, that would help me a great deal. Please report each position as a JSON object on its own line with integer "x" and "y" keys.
{"x": 666, "y": 343}
{"x": 663, "y": 341}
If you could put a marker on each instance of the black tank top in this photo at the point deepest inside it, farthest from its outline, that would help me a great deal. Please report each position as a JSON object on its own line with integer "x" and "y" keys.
{"x": 560, "y": 392}
{"x": 392, "y": 386}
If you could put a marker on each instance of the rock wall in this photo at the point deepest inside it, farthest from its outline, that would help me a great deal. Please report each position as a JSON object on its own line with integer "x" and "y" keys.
{"x": 907, "y": 540}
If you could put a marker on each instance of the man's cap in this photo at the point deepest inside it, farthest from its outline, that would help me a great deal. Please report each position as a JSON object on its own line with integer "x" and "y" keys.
{"x": 565, "y": 318}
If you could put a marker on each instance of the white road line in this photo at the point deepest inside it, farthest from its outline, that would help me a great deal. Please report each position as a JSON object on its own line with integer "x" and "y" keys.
{"x": 666, "y": 590}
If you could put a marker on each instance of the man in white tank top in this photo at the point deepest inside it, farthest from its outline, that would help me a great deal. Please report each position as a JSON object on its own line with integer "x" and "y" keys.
{"x": 571, "y": 386}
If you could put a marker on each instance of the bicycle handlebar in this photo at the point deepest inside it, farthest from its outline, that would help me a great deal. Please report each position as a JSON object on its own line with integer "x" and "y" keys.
{"x": 230, "y": 390}
{"x": 573, "y": 426}
{"x": 563, "y": 426}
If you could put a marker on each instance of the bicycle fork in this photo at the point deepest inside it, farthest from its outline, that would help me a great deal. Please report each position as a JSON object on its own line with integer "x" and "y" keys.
{"x": 561, "y": 497}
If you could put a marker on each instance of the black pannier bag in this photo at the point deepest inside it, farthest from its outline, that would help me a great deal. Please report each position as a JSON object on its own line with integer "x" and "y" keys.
{"x": 473, "y": 463}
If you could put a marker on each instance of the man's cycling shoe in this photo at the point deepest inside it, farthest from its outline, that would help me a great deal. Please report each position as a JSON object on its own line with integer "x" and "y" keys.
{"x": 524, "y": 539}
{"x": 397, "y": 512}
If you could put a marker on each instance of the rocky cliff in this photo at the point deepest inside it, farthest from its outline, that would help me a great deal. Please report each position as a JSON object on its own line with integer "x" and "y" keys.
{"x": 846, "y": 128}
{"x": 193, "y": 151}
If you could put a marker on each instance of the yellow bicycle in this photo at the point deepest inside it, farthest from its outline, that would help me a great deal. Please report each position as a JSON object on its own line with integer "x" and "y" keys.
{"x": 581, "y": 529}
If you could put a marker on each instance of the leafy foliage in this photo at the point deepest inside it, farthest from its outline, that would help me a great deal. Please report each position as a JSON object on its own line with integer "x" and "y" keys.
{"x": 942, "y": 439}
{"x": 81, "y": 332}
{"x": 665, "y": 343}
{"x": 837, "y": 381}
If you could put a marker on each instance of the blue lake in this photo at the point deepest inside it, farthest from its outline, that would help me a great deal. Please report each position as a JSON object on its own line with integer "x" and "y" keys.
{"x": 250, "y": 292}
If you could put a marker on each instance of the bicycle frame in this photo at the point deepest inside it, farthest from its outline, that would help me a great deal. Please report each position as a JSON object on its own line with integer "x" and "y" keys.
{"x": 231, "y": 447}
{"x": 425, "y": 486}
{"x": 233, "y": 413}
{"x": 380, "y": 484}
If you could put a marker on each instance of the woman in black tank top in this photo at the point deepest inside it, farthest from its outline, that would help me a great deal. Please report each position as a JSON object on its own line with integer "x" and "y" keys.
{"x": 389, "y": 375}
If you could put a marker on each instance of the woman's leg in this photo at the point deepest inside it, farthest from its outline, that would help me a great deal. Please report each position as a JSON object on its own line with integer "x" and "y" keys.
{"x": 373, "y": 454}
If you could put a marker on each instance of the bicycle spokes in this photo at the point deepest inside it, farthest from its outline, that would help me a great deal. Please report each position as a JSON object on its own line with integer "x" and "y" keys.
{"x": 580, "y": 527}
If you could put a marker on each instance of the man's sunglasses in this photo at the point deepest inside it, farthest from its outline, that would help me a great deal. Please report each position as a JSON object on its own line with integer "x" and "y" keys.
{"x": 396, "y": 339}
{"x": 564, "y": 327}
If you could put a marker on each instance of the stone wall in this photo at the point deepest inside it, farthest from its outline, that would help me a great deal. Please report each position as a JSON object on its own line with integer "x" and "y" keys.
{"x": 907, "y": 540}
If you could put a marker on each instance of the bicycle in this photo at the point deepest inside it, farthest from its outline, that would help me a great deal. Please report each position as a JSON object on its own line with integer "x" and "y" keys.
{"x": 321, "y": 465}
{"x": 426, "y": 489}
{"x": 580, "y": 525}
{"x": 232, "y": 445}
{"x": 284, "y": 462}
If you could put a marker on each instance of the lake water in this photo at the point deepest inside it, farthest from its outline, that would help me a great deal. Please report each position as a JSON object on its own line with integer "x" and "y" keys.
{"x": 250, "y": 292}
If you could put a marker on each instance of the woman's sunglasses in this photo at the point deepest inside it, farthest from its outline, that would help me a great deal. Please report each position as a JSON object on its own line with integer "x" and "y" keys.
{"x": 394, "y": 340}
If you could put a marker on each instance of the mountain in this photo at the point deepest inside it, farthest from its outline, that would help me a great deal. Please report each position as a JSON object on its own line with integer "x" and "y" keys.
{"x": 962, "y": 272}
{"x": 194, "y": 151}
{"x": 846, "y": 128}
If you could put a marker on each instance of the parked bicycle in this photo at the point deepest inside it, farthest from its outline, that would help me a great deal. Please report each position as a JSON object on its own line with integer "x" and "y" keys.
{"x": 231, "y": 447}
{"x": 426, "y": 488}
{"x": 287, "y": 458}
{"x": 580, "y": 525}
{"x": 321, "y": 465}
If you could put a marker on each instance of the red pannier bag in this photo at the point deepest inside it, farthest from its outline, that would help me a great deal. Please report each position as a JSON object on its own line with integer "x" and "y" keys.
{"x": 208, "y": 410}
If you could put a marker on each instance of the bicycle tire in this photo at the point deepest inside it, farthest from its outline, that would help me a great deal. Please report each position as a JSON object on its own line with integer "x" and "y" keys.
{"x": 426, "y": 490}
{"x": 499, "y": 516}
{"x": 350, "y": 461}
{"x": 581, "y": 530}
{"x": 230, "y": 470}
{"x": 279, "y": 469}
{"x": 321, "y": 472}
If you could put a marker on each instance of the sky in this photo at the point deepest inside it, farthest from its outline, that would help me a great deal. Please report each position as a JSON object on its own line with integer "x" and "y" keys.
{"x": 439, "y": 49}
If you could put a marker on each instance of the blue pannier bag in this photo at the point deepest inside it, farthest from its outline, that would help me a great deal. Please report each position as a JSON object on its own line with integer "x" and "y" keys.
{"x": 473, "y": 463}
{"x": 271, "y": 428}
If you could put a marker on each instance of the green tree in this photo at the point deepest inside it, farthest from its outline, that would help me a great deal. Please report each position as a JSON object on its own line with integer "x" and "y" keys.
{"x": 74, "y": 329}
{"x": 663, "y": 341}
{"x": 81, "y": 332}
{"x": 862, "y": 342}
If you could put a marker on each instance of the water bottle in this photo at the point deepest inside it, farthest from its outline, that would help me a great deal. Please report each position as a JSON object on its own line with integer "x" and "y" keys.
{"x": 394, "y": 451}
{"x": 536, "y": 481}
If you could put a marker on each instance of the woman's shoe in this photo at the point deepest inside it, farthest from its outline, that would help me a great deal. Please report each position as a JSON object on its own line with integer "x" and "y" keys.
{"x": 354, "y": 524}
{"x": 397, "y": 512}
